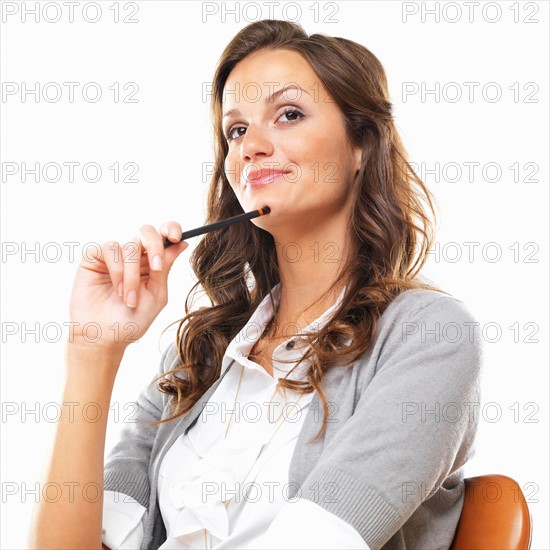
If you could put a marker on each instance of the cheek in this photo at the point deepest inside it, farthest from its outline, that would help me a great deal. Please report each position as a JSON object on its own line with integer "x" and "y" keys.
{"x": 315, "y": 146}
{"x": 327, "y": 166}
{"x": 230, "y": 167}
{"x": 320, "y": 160}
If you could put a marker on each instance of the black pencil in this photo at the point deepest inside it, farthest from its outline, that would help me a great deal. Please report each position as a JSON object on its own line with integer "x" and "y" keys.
{"x": 218, "y": 225}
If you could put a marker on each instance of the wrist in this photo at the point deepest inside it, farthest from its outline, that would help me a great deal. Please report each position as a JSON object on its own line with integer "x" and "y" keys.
{"x": 96, "y": 357}
{"x": 82, "y": 345}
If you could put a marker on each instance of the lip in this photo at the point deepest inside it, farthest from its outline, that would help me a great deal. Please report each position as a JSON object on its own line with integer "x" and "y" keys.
{"x": 265, "y": 176}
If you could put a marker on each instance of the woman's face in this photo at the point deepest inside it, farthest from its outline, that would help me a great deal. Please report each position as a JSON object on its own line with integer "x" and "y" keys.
{"x": 280, "y": 120}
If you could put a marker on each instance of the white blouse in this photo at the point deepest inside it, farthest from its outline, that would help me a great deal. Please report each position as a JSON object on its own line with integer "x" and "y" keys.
{"x": 232, "y": 491}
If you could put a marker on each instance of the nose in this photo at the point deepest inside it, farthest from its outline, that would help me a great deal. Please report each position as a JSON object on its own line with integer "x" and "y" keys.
{"x": 255, "y": 143}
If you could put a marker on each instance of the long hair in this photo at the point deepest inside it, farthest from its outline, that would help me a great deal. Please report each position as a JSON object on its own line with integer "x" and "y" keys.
{"x": 238, "y": 267}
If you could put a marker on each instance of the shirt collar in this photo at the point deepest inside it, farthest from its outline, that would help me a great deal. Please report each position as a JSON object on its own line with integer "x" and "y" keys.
{"x": 239, "y": 348}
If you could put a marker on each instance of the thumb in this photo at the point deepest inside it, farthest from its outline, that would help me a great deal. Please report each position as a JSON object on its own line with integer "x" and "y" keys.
{"x": 170, "y": 255}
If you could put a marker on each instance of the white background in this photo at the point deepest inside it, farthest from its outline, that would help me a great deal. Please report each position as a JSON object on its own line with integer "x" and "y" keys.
{"x": 171, "y": 53}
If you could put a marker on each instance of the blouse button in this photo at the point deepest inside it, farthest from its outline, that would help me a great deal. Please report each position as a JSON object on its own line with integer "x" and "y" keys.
{"x": 291, "y": 344}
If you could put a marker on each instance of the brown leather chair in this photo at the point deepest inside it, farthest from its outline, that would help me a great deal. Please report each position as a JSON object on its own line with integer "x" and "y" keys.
{"x": 494, "y": 515}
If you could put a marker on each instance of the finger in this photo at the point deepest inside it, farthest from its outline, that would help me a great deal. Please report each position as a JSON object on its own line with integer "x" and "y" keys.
{"x": 112, "y": 256}
{"x": 92, "y": 257}
{"x": 158, "y": 281}
{"x": 171, "y": 231}
{"x": 171, "y": 253}
{"x": 131, "y": 256}
{"x": 151, "y": 241}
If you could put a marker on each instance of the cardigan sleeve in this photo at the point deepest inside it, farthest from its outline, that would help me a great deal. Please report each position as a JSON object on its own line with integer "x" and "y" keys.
{"x": 126, "y": 469}
{"x": 413, "y": 426}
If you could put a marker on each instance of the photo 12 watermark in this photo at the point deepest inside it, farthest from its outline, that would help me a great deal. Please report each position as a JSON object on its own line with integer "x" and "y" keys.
{"x": 70, "y": 92}
{"x": 22, "y": 412}
{"x": 470, "y": 92}
{"x": 249, "y": 12}
{"x": 69, "y": 12}
{"x": 69, "y": 172}
{"x": 452, "y": 412}
{"x": 470, "y": 12}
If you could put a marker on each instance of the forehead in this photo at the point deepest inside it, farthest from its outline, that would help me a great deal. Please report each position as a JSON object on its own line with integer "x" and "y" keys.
{"x": 267, "y": 71}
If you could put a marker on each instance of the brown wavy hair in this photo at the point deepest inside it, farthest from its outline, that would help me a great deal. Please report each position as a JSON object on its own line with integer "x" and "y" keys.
{"x": 391, "y": 231}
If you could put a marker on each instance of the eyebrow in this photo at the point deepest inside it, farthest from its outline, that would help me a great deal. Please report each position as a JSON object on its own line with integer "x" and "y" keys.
{"x": 268, "y": 99}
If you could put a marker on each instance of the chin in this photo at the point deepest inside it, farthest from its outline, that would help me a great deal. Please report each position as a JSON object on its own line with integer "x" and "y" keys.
{"x": 259, "y": 200}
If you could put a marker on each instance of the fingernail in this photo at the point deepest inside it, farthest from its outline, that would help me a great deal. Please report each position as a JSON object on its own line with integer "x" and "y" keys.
{"x": 120, "y": 289}
{"x": 131, "y": 298}
{"x": 156, "y": 263}
{"x": 173, "y": 234}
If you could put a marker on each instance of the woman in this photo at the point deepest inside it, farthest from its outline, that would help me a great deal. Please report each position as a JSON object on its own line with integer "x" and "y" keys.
{"x": 316, "y": 307}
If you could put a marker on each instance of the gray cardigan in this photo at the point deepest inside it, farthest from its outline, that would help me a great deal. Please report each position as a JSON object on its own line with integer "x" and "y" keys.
{"x": 401, "y": 427}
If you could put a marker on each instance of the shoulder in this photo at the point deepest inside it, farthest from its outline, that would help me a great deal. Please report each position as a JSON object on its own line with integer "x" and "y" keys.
{"x": 422, "y": 304}
{"x": 170, "y": 358}
{"x": 427, "y": 322}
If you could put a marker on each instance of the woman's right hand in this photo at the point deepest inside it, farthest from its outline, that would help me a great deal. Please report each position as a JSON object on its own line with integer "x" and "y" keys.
{"x": 120, "y": 289}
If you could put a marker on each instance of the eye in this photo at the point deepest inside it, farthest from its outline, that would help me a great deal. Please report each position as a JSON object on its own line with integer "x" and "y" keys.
{"x": 294, "y": 112}
{"x": 293, "y": 115}
{"x": 229, "y": 135}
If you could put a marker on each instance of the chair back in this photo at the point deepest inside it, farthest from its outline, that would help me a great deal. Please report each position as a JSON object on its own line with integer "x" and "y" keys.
{"x": 494, "y": 515}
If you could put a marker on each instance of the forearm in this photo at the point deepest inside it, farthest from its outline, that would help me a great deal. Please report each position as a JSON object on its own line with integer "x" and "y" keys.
{"x": 76, "y": 461}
